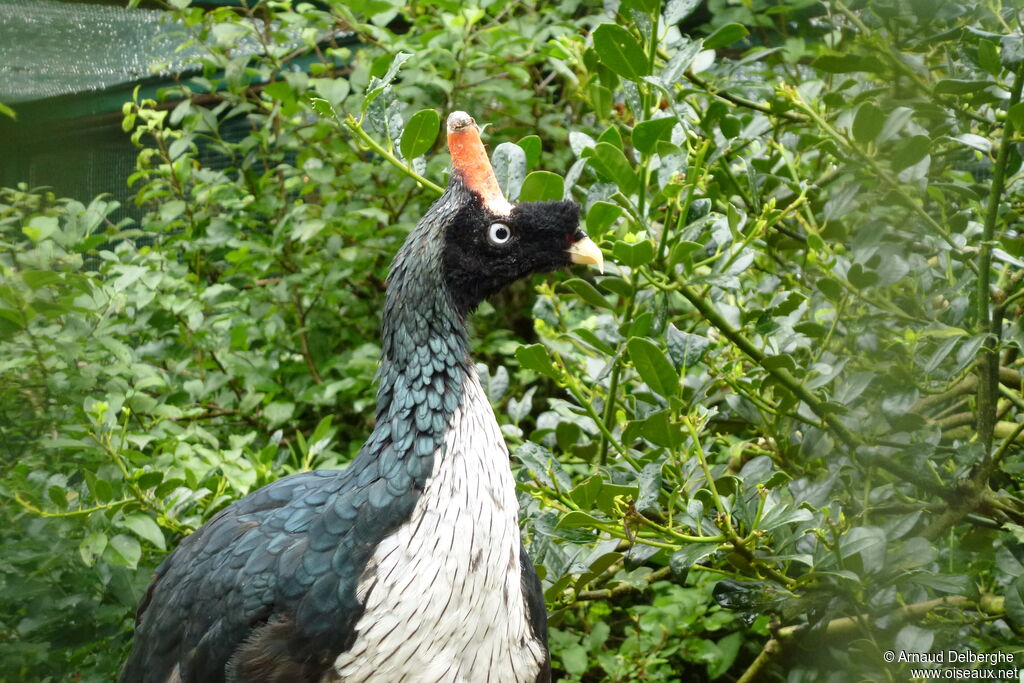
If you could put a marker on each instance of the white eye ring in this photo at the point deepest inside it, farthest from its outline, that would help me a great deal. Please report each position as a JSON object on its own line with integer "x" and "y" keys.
{"x": 499, "y": 233}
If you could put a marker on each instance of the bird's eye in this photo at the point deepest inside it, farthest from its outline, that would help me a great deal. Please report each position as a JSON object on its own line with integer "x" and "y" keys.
{"x": 499, "y": 233}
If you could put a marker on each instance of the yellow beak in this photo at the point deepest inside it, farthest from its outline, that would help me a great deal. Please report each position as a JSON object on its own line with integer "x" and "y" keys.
{"x": 585, "y": 251}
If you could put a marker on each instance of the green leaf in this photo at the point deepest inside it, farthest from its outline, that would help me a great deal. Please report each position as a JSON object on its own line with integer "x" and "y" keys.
{"x": 868, "y": 122}
{"x": 895, "y": 122}
{"x": 601, "y": 98}
{"x": 910, "y": 152}
{"x": 726, "y": 35}
{"x": 377, "y": 85}
{"x": 41, "y": 227}
{"x": 647, "y": 6}
{"x": 39, "y": 278}
{"x": 652, "y": 365}
{"x": 612, "y": 136}
{"x": 585, "y": 493}
{"x": 782, "y": 361}
{"x": 580, "y": 142}
{"x": 683, "y": 251}
{"x": 783, "y": 514}
{"x": 988, "y": 57}
{"x": 124, "y": 551}
{"x": 588, "y": 338}
{"x": 578, "y": 519}
{"x": 835, "y": 64}
{"x": 689, "y": 555}
{"x": 324, "y": 431}
{"x": 647, "y": 133}
{"x": 542, "y": 186}
{"x": 606, "y": 497}
{"x": 322, "y": 107}
{"x": 535, "y": 357}
{"x": 728, "y": 647}
{"x": 952, "y": 86}
{"x": 1014, "y": 601}
{"x": 601, "y": 216}
{"x": 680, "y": 62}
{"x": 730, "y": 126}
{"x": 102, "y": 489}
{"x": 912, "y": 638}
{"x": 1008, "y": 564}
{"x": 278, "y": 412}
{"x": 535, "y": 458}
{"x": 228, "y": 33}
{"x": 148, "y": 480}
{"x": 684, "y": 348}
{"x": 657, "y": 428}
{"x": 145, "y": 528}
{"x": 91, "y": 547}
{"x": 1011, "y": 50}
{"x": 575, "y": 660}
{"x": 634, "y": 254}
{"x": 566, "y": 434}
{"x": 861, "y": 278}
{"x": 587, "y": 292}
{"x": 303, "y": 231}
{"x": 866, "y": 541}
{"x": 333, "y": 90}
{"x": 621, "y": 52}
{"x": 279, "y": 90}
{"x": 532, "y": 146}
{"x": 649, "y": 489}
{"x": 1016, "y": 115}
{"x": 609, "y": 161}
{"x": 677, "y": 10}
{"x": 420, "y": 133}
{"x": 58, "y": 496}
{"x": 7, "y": 111}
{"x": 830, "y": 288}
{"x": 509, "y": 163}
{"x": 617, "y": 285}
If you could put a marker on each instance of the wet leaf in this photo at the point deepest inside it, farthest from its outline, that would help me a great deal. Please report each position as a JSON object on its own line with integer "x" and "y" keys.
{"x": 420, "y": 133}
{"x": 620, "y": 51}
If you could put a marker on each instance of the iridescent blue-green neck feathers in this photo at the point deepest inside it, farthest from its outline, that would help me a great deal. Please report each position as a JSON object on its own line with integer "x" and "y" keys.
{"x": 421, "y": 324}
{"x": 425, "y": 359}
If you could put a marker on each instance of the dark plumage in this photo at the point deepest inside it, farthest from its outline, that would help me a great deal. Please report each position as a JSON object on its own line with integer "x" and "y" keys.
{"x": 276, "y": 587}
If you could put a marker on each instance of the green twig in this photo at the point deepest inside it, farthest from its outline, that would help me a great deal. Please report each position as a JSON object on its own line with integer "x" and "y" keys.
{"x": 606, "y": 436}
{"x": 828, "y": 417}
{"x": 738, "y": 101}
{"x": 876, "y": 168}
{"x": 608, "y": 420}
{"x": 352, "y": 125}
{"x": 988, "y": 360}
{"x": 846, "y": 627}
{"x": 719, "y": 505}
{"x": 81, "y": 512}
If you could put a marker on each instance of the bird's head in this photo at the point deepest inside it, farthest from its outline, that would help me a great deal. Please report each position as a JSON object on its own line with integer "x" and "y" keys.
{"x": 488, "y": 242}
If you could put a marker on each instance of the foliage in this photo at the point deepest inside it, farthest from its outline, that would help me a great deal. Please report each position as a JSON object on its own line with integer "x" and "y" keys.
{"x": 793, "y": 398}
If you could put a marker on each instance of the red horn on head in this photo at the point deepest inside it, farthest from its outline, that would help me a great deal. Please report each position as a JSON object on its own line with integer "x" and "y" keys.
{"x": 469, "y": 159}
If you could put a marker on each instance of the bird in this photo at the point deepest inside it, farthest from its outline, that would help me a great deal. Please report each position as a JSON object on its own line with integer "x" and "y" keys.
{"x": 406, "y": 565}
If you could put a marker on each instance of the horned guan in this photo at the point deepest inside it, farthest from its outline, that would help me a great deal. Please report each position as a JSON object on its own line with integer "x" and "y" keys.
{"x": 407, "y": 565}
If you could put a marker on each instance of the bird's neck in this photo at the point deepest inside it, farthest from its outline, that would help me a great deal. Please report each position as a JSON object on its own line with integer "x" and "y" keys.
{"x": 425, "y": 340}
{"x": 424, "y": 374}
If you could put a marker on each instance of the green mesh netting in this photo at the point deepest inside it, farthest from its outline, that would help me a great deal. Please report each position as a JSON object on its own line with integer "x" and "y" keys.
{"x": 65, "y": 68}
{"x": 50, "y": 48}
{"x": 87, "y": 56}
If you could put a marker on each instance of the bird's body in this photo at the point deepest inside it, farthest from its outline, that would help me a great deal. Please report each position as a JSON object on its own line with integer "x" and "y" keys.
{"x": 465, "y": 576}
{"x": 407, "y": 565}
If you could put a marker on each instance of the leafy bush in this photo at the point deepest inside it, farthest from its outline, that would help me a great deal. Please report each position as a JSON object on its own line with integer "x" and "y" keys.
{"x": 779, "y": 436}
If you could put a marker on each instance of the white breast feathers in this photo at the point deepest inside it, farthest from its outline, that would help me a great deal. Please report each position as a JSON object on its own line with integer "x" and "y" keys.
{"x": 444, "y": 598}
